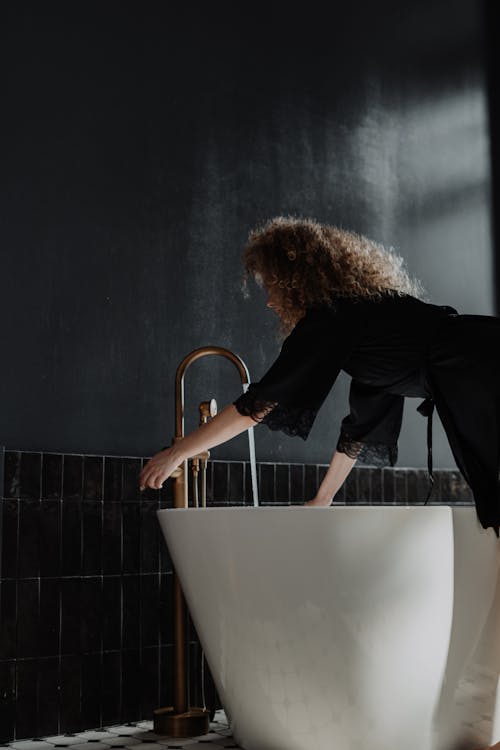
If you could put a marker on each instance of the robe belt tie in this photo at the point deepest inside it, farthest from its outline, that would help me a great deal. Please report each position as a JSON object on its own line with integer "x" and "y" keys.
{"x": 426, "y": 408}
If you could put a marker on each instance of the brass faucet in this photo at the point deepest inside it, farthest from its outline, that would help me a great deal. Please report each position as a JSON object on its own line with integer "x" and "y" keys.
{"x": 180, "y": 475}
{"x": 181, "y": 720}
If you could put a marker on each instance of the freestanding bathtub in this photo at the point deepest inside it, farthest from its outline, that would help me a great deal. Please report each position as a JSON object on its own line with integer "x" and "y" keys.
{"x": 345, "y": 628}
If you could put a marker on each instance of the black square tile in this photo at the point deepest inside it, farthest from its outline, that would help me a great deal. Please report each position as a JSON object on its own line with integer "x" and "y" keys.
{"x": 29, "y": 538}
{"x": 111, "y": 678}
{"x": 91, "y": 690}
{"x": 310, "y": 482}
{"x": 30, "y": 483}
{"x": 69, "y": 694}
{"x": 166, "y": 493}
{"x": 236, "y": 495}
{"x": 72, "y": 477}
{"x": 113, "y": 466}
{"x": 112, "y": 613}
{"x": 400, "y": 486}
{"x": 26, "y": 697}
{"x": 389, "y": 487}
{"x": 150, "y": 604}
{"x": 111, "y": 538}
{"x": 49, "y": 617}
{"x": 132, "y": 468}
{"x": 48, "y": 696}
{"x": 9, "y": 546}
{"x": 8, "y": 620}
{"x": 131, "y": 611}
{"x": 28, "y": 625}
{"x": 351, "y": 487}
{"x": 8, "y": 707}
{"x": 150, "y": 537}
{"x": 166, "y": 675}
{"x": 440, "y": 492}
{"x": 166, "y": 609}
{"x": 90, "y": 614}
{"x": 297, "y": 474}
{"x": 70, "y": 615}
{"x": 412, "y": 486}
{"x": 282, "y": 480}
{"x": 364, "y": 486}
{"x": 150, "y": 679}
{"x": 71, "y": 538}
{"x": 220, "y": 471}
{"x": 376, "y": 485}
{"x": 131, "y": 537}
{"x": 93, "y": 477}
{"x": 457, "y": 488}
{"x": 12, "y": 470}
{"x": 267, "y": 488}
{"x": 50, "y": 519}
{"x": 131, "y": 683}
{"x": 91, "y": 537}
{"x": 52, "y": 475}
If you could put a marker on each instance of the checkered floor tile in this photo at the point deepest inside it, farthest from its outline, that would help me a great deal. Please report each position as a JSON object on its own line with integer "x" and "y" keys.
{"x": 133, "y": 736}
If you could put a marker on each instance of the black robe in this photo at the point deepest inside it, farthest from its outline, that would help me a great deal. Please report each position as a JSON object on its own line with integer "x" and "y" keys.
{"x": 393, "y": 346}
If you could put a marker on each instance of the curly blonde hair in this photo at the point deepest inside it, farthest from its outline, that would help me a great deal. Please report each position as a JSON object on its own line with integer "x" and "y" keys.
{"x": 306, "y": 264}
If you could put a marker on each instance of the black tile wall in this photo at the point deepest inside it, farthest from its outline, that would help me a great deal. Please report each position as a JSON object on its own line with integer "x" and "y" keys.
{"x": 85, "y": 594}
{"x": 86, "y": 585}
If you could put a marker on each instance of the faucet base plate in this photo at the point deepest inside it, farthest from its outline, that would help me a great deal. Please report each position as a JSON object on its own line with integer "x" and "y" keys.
{"x": 189, "y": 724}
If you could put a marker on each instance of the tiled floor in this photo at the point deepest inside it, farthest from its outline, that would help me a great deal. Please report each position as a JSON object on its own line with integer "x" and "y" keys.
{"x": 474, "y": 701}
{"x": 134, "y": 736}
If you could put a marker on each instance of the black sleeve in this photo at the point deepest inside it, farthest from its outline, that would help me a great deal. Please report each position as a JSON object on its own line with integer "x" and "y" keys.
{"x": 290, "y": 394}
{"x": 370, "y": 431}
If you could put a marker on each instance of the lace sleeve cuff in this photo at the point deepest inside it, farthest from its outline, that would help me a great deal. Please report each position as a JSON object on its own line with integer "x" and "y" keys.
{"x": 373, "y": 454}
{"x": 293, "y": 421}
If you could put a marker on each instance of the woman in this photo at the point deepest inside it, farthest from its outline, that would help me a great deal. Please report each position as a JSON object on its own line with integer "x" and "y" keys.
{"x": 346, "y": 303}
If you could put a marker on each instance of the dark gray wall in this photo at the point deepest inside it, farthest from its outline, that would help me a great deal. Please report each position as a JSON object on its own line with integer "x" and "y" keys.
{"x": 143, "y": 140}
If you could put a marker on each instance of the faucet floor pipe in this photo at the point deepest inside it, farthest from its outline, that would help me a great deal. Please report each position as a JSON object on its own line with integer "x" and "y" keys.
{"x": 181, "y": 720}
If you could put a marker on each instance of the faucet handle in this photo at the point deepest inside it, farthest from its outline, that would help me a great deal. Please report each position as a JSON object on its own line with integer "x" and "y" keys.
{"x": 207, "y": 409}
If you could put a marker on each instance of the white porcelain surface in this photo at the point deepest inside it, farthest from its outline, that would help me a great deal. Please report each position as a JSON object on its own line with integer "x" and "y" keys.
{"x": 345, "y": 628}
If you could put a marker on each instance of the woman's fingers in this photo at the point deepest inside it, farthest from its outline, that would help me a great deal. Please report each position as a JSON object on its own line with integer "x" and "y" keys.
{"x": 147, "y": 474}
{"x": 157, "y": 470}
{"x": 152, "y": 478}
{"x": 153, "y": 481}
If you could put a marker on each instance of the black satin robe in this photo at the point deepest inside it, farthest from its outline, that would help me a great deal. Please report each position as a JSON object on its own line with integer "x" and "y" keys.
{"x": 394, "y": 346}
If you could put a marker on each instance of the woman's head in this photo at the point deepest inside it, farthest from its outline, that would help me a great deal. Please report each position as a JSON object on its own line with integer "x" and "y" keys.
{"x": 302, "y": 263}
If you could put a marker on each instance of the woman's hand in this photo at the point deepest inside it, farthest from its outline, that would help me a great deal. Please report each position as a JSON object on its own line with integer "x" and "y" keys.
{"x": 318, "y": 501}
{"x": 159, "y": 468}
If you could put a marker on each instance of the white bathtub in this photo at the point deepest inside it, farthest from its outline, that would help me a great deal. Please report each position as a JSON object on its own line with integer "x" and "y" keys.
{"x": 345, "y": 628}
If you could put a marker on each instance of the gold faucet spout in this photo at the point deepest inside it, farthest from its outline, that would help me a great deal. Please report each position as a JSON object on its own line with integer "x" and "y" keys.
{"x": 188, "y": 360}
{"x": 181, "y": 478}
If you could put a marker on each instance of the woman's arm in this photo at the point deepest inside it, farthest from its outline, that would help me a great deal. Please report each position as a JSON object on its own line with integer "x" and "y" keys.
{"x": 222, "y": 427}
{"x": 335, "y": 477}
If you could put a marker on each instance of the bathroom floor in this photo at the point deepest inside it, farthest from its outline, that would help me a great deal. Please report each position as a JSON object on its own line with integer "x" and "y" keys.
{"x": 133, "y": 736}
{"x": 474, "y": 700}
{"x": 140, "y": 736}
